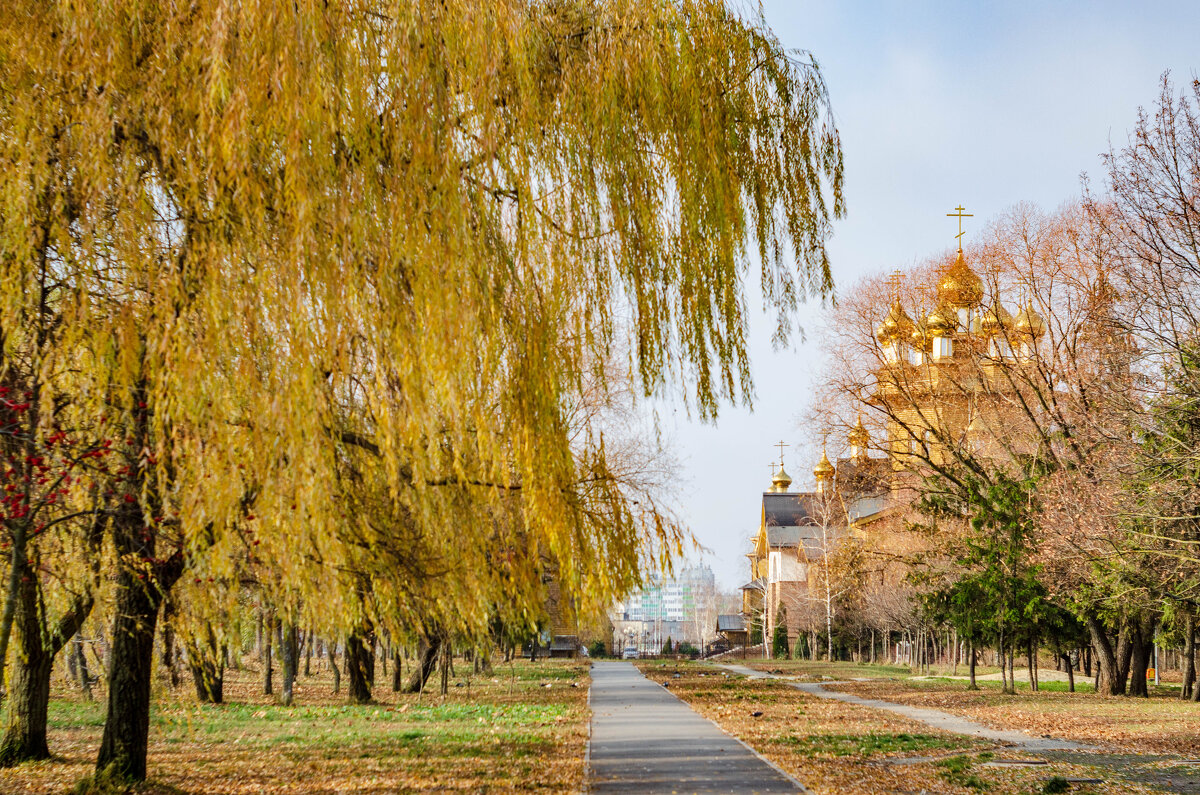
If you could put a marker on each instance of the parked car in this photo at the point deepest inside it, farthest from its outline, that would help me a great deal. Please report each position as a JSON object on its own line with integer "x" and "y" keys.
{"x": 630, "y": 653}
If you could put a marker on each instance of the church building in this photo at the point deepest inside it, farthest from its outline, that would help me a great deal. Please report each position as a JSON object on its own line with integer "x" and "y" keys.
{"x": 946, "y": 379}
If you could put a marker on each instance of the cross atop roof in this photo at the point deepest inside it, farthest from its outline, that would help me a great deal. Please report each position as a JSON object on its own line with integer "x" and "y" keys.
{"x": 781, "y": 445}
{"x": 959, "y": 214}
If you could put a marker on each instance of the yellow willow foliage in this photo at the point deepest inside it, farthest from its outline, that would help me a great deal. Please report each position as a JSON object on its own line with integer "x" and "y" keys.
{"x": 354, "y": 261}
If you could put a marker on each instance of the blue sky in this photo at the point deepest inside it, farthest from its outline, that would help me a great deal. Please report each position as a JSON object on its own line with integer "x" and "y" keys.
{"x": 984, "y": 104}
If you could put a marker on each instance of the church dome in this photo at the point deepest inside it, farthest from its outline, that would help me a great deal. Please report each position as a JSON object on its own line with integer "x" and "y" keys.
{"x": 959, "y": 286}
{"x": 824, "y": 467}
{"x": 1028, "y": 321}
{"x": 942, "y": 321}
{"x": 919, "y": 336}
{"x": 897, "y": 325}
{"x": 994, "y": 321}
{"x": 781, "y": 481}
{"x": 859, "y": 437}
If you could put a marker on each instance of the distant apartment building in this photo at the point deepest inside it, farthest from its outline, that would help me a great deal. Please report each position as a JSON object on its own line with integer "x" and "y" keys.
{"x": 668, "y": 607}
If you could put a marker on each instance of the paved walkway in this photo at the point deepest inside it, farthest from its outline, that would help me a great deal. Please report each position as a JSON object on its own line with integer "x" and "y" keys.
{"x": 930, "y": 717}
{"x": 646, "y": 740}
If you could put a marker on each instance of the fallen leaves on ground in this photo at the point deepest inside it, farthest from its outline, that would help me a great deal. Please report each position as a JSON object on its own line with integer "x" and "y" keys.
{"x": 524, "y": 728}
{"x": 835, "y": 747}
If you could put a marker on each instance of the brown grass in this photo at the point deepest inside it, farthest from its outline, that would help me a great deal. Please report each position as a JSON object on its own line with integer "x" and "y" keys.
{"x": 506, "y": 733}
{"x": 1160, "y": 724}
{"x": 834, "y": 747}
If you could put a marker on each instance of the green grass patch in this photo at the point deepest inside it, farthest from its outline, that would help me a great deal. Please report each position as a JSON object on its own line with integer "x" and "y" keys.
{"x": 835, "y": 670}
{"x": 869, "y": 744}
{"x": 995, "y": 684}
{"x": 957, "y": 771}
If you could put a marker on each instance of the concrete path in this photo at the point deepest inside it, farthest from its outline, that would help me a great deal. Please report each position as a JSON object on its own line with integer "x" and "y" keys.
{"x": 645, "y": 740}
{"x": 930, "y": 717}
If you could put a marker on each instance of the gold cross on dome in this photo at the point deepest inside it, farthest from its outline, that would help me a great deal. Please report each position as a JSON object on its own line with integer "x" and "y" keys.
{"x": 959, "y": 214}
{"x": 781, "y": 445}
{"x": 894, "y": 284}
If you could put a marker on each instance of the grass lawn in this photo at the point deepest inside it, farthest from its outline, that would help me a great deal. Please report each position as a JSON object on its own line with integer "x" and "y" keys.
{"x": 1160, "y": 724}
{"x": 505, "y": 733}
{"x": 834, "y": 747}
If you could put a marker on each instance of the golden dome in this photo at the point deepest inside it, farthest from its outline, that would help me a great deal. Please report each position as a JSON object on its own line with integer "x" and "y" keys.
{"x": 959, "y": 286}
{"x": 919, "y": 336}
{"x": 781, "y": 481}
{"x": 897, "y": 324}
{"x": 859, "y": 437}
{"x": 994, "y": 321}
{"x": 1028, "y": 321}
{"x": 824, "y": 468}
{"x": 942, "y": 321}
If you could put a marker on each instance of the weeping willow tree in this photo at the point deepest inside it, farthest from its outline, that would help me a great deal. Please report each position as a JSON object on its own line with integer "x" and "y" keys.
{"x": 336, "y": 274}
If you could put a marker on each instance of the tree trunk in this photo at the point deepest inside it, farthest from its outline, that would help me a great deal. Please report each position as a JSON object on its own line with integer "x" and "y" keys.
{"x": 85, "y": 676}
{"x": 421, "y": 669}
{"x": 1029, "y": 656}
{"x": 289, "y": 659}
{"x": 1189, "y": 656}
{"x": 268, "y": 662}
{"x": 139, "y": 594}
{"x": 1141, "y": 647}
{"x": 208, "y": 670}
{"x": 397, "y": 679}
{"x": 28, "y": 701}
{"x": 358, "y": 667}
{"x": 371, "y": 657}
{"x": 167, "y": 658}
{"x": 1066, "y": 659}
{"x": 29, "y": 694}
{"x": 1108, "y": 677}
{"x": 1012, "y": 679}
{"x": 447, "y": 664}
{"x": 485, "y": 660}
{"x": 1004, "y": 683}
{"x": 308, "y": 652}
{"x": 1124, "y": 656}
{"x": 333, "y": 666}
{"x": 971, "y": 655}
{"x": 209, "y": 679}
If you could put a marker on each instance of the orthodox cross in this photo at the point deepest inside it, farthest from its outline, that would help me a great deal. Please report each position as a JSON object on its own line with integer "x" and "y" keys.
{"x": 959, "y": 214}
{"x": 894, "y": 284}
{"x": 781, "y": 445}
{"x": 774, "y": 468}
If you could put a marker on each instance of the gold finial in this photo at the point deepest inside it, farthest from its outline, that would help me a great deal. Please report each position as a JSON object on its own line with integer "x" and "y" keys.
{"x": 781, "y": 445}
{"x": 959, "y": 214}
